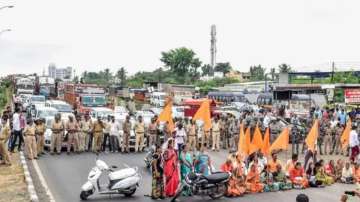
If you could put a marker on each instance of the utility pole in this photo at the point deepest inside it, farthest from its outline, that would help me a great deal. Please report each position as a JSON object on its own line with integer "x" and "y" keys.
{"x": 332, "y": 71}
{"x": 213, "y": 48}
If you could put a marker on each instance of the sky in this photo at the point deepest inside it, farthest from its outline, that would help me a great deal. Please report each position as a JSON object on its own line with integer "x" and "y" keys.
{"x": 95, "y": 34}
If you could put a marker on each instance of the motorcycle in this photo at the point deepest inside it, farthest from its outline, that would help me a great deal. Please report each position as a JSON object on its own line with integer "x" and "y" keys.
{"x": 149, "y": 156}
{"x": 214, "y": 185}
{"x": 124, "y": 181}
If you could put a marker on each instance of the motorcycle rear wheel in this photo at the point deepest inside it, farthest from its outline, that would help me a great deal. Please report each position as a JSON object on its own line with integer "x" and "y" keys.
{"x": 219, "y": 192}
{"x": 132, "y": 192}
{"x": 84, "y": 195}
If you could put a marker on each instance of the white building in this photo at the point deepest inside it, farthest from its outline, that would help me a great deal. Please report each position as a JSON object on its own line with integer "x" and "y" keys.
{"x": 60, "y": 73}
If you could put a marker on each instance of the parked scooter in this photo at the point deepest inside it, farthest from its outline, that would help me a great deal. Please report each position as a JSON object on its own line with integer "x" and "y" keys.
{"x": 123, "y": 181}
{"x": 214, "y": 185}
{"x": 149, "y": 156}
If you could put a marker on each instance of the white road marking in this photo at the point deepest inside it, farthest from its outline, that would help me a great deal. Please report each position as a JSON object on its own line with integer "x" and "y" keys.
{"x": 30, "y": 185}
{"x": 43, "y": 182}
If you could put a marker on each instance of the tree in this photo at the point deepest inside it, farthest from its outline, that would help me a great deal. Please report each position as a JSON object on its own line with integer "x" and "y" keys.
{"x": 107, "y": 75}
{"x": 223, "y": 67}
{"x": 182, "y": 62}
{"x": 284, "y": 68}
{"x": 206, "y": 69}
{"x": 121, "y": 75}
{"x": 273, "y": 74}
{"x": 76, "y": 79}
{"x": 257, "y": 73}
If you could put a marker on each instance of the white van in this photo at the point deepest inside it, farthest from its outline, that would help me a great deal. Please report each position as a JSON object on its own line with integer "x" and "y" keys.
{"x": 157, "y": 99}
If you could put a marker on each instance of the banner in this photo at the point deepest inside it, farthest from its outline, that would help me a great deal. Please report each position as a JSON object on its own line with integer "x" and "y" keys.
{"x": 352, "y": 96}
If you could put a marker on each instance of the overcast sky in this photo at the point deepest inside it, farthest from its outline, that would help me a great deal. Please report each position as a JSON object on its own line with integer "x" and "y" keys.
{"x": 92, "y": 35}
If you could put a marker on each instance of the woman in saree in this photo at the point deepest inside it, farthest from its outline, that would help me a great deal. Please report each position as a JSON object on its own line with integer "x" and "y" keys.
{"x": 280, "y": 178}
{"x": 171, "y": 170}
{"x": 203, "y": 163}
{"x": 157, "y": 190}
{"x": 236, "y": 185}
{"x": 298, "y": 177}
{"x": 323, "y": 177}
{"x": 253, "y": 184}
{"x": 186, "y": 163}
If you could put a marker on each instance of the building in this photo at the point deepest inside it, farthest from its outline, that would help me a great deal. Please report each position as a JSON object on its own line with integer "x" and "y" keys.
{"x": 60, "y": 73}
{"x": 241, "y": 76}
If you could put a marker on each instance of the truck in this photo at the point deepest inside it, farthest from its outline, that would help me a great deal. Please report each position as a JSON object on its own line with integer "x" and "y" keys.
{"x": 24, "y": 86}
{"x": 83, "y": 97}
{"x": 45, "y": 86}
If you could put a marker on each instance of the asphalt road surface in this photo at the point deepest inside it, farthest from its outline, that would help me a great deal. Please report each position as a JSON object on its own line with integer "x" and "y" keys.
{"x": 65, "y": 175}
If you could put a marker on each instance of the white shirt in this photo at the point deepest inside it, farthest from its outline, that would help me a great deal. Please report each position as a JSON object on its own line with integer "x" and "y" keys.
{"x": 114, "y": 128}
{"x": 346, "y": 172}
{"x": 16, "y": 122}
{"x": 180, "y": 136}
{"x": 354, "y": 139}
{"x": 333, "y": 123}
{"x": 266, "y": 121}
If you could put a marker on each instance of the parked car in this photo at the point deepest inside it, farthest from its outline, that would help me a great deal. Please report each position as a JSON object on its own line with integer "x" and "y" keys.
{"x": 102, "y": 112}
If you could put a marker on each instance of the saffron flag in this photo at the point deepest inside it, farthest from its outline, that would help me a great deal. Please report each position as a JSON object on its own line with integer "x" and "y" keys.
{"x": 241, "y": 140}
{"x": 281, "y": 142}
{"x": 257, "y": 140}
{"x": 247, "y": 139}
{"x": 265, "y": 149}
{"x": 203, "y": 113}
{"x": 346, "y": 135}
{"x": 166, "y": 115}
{"x": 312, "y": 136}
{"x": 253, "y": 148}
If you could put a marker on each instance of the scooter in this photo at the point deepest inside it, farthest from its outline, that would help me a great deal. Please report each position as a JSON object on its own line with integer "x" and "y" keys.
{"x": 214, "y": 185}
{"x": 149, "y": 156}
{"x": 123, "y": 181}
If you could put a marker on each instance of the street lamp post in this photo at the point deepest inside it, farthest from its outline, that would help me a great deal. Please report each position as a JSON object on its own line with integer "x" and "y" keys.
{"x": 3, "y": 7}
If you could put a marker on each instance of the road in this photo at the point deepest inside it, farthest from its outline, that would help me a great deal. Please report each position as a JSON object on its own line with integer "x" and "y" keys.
{"x": 65, "y": 174}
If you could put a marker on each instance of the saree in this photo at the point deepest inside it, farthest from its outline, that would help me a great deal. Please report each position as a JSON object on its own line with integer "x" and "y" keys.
{"x": 171, "y": 172}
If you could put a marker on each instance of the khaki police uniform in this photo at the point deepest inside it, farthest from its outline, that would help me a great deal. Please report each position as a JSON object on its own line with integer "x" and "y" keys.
{"x": 40, "y": 131}
{"x": 98, "y": 133}
{"x": 153, "y": 135}
{"x": 126, "y": 136}
{"x": 139, "y": 135}
{"x": 73, "y": 138}
{"x": 4, "y": 137}
{"x": 85, "y": 135}
{"x": 191, "y": 130}
{"x": 57, "y": 136}
{"x": 216, "y": 127}
{"x": 30, "y": 141}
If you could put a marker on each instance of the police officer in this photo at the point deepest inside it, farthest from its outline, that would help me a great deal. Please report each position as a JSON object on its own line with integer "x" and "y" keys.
{"x": 139, "y": 134}
{"x": 191, "y": 130}
{"x": 57, "y": 128}
{"x": 152, "y": 132}
{"x": 4, "y": 137}
{"x": 215, "y": 131}
{"x": 30, "y": 140}
{"x": 126, "y": 135}
{"x": 97, "y": 130}
{"x": 85, "y": 137}
{"x": 40, "y": 138}
{"x": 72, "y": 128}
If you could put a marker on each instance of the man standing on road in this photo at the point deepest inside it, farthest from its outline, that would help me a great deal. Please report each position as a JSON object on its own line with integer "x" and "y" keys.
{"x": 328, "y": 138}
{"x": 126, "y": 135}
{"x": 139, "y": 135}
{"x": 57, "y": 128}
{"x": 85, "y": 138}
{"x": 97, "y": 130}
{"x": 191, "y": 131}
{"x": 152, "y": 132}
{"x": 16, "y": 131}
{"x": 4, "y": 137}
{"x": 354, "y": 143}
{"x": 72, "y": 128}
{"x": 40, "y": 131}
{"x": 215, "y": 130}
{"x": 30, "y": 140}
{"x": 114, "y": 135}
{"x": 106, "y": 133}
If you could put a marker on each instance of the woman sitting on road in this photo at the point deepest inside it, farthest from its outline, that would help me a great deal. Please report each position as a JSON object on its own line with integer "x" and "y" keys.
{"x": 237, "y": 186}
{"x": 330, "y": 170}
{"x": 347, "y": 175}
{"x": 298, "y": 177}
{"x": 281, "y": 179}
{"x": 253, "y": 184}
{"x": 338, "y": 169}
{"x": 310, "y": 174}
{"x": 323, "y": 177}
{"x": 267, "y": 179}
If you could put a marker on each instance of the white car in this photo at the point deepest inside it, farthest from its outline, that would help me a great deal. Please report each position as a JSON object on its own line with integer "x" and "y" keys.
{"x": 102, "y": 112}
{"x": 44, "y": 112}
{"x": 37, "y": 100}
{"x": 120, "y": 113}
{"x": 48, "y": 131}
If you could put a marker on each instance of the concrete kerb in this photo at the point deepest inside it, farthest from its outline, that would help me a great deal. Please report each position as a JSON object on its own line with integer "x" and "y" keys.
{"x": 28, "y": 179}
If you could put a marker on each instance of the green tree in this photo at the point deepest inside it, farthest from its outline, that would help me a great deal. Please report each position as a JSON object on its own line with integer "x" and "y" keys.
{"x": 284, "y": 68}
{"x": 182, "y": 62}
{"x": 346, "y": 77}
{"x": 206, "y": 69}
{"x": 257, "y": 73}
{"x": 223, "y": 67}
{"x": 121, "y": 75}
{"x": 273, "y": 74}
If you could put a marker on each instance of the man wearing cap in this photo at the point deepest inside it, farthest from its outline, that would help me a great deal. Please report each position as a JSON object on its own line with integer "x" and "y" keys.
{"x": 85, "y": 137}
{"x": 97, "y": 130}
{"x": 30, "y": 140}
{"x": 40, "y": 131}
{"x": 57, "y": 128}
{"x": 72, "y": 128}
{"x": 126, "y": 135}
{"x": 139, "y": 134}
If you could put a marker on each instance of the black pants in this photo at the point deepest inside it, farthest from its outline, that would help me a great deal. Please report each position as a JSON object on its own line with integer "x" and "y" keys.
{"x": 308, "y": 155}
{"x": 104, "y": 144}
{"x": 15, "y": 137}
{"x": 114, "y": 143}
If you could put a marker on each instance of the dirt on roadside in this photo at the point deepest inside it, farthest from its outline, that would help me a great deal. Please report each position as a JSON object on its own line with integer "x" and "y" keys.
{"x": 13, "y": 187}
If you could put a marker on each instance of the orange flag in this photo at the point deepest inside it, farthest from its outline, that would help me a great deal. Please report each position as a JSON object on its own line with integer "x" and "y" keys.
{"x": 166, "y": 115}
{"x": 203, "y": 113}
{"x": 266, "y": 143}
{"x": 346, "y": 135}
{"x": 312, "y": 136}
{"x": 253, "y": 148}
{"x": 241, "y": 140}
{"x": 246, "y": 143}
{"x": 257, "y": 140}
{"x": 282, "y": 141}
